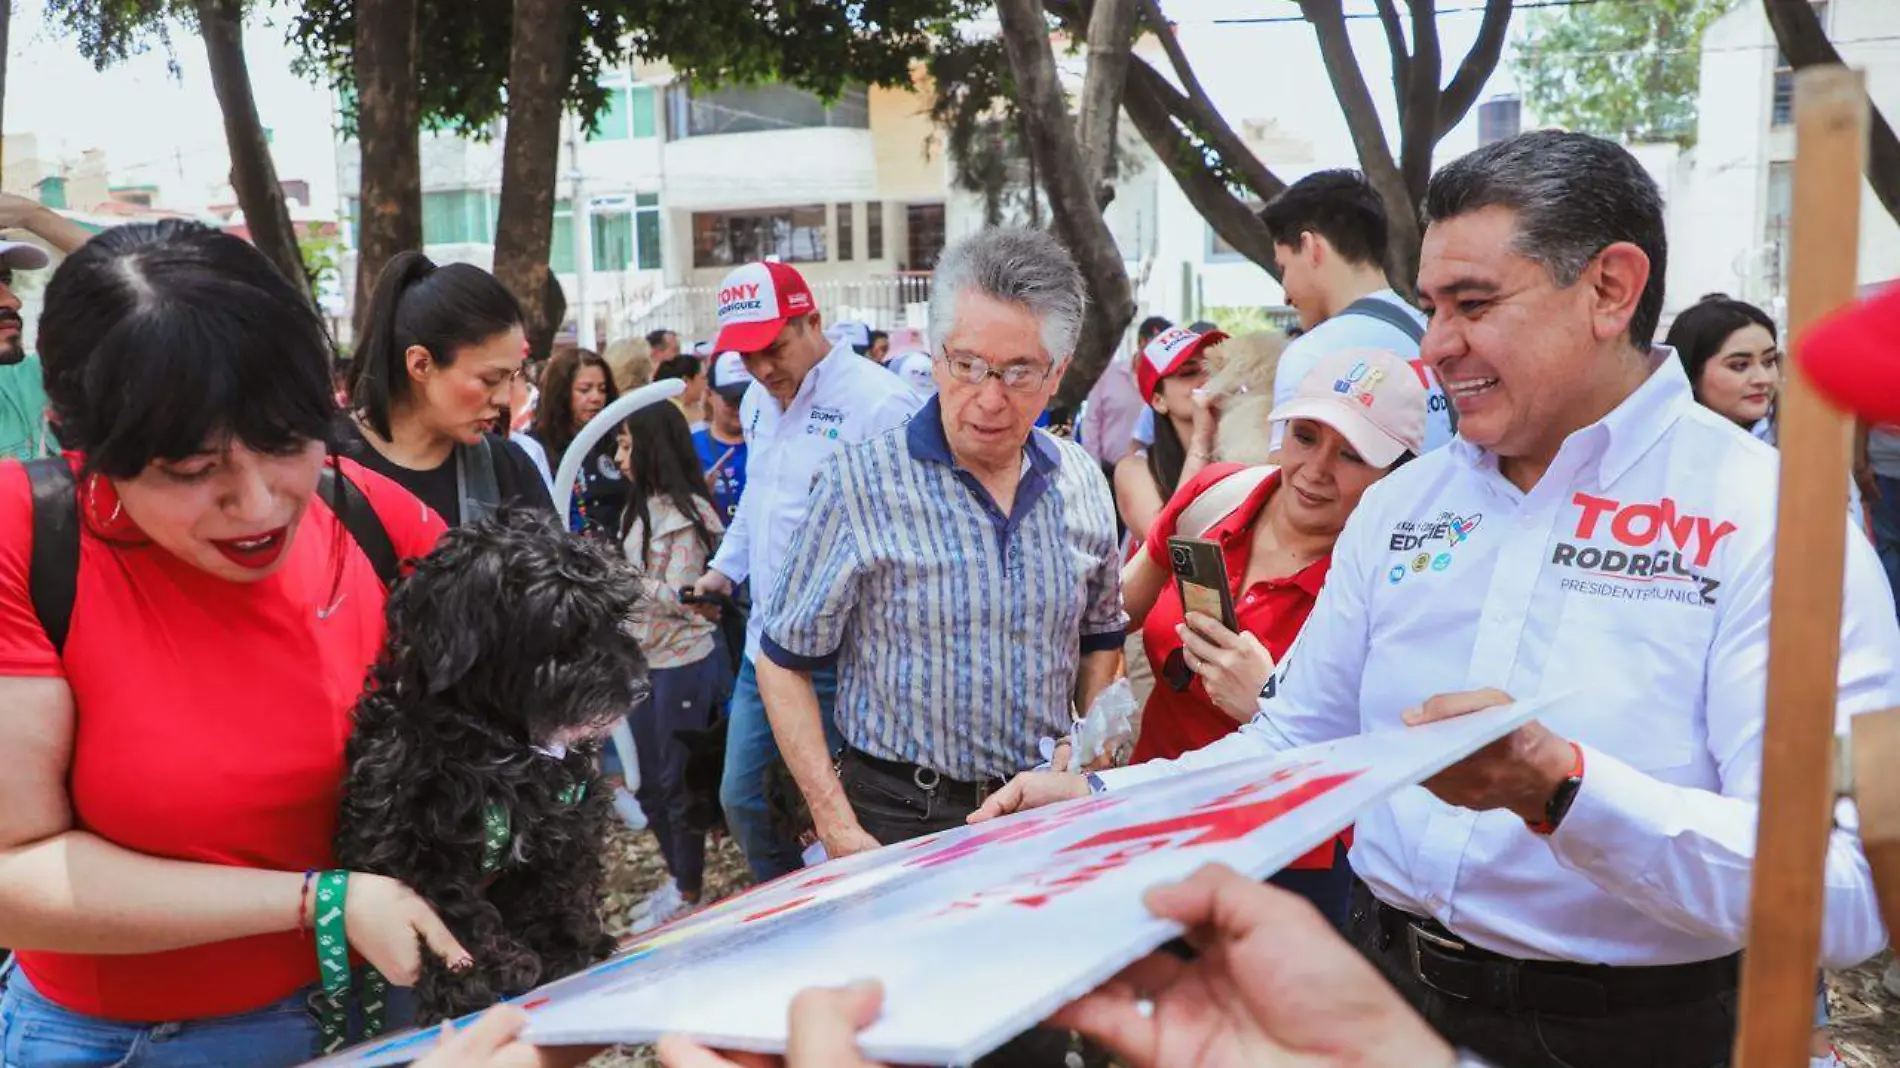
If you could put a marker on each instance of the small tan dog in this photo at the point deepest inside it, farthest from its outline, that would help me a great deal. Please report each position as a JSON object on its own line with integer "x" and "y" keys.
{"x": 1242, "y": 390}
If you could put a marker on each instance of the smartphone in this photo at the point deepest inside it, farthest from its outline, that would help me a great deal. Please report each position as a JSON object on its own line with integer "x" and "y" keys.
{"x": 1200, "y": 576}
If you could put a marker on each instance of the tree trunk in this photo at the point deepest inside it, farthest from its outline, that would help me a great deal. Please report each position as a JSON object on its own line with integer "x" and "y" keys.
{"x": 253, "y": 172}
{"x": 1232, "y": 218}
{"x": 1110, "y": 25}
{"x": 531, "y": 152}
{"x": 1368, "y": 137}
{"x": 1805, "y": 43}
{"x": 388, "y": 116}
{"x": 1078, "y": 219}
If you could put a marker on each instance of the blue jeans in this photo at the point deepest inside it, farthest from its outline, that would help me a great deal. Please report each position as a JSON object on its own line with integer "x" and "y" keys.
{"x": 1886, "y": 516}
{"x": 36, "y": 1033}
{"x": 751, "y": 752}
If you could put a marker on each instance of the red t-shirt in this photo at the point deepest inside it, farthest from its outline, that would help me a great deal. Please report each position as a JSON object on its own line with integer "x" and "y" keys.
{"x": 210, "y": 723}
{"x": 1180, "y": 721}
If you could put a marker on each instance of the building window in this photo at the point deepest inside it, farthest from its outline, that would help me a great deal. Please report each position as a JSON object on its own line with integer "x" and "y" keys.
{"x": 924, "y": 222}
{"x": 646, "y": 225}
{"x": 458, "y": 217}
{"x": 874, "y": 230}
{"x": 613, "y": 240}
{"x": 629, "y": 113}
{"x": 729, "y": 238}
{"x": 1499, "y": 120}
{"x": 351, "y": 211}
{"x": 621, "y": 239}
{"x": 1781, "y": 111}
{"x": 561, "y": 250}
{"x": 1777, "y": 220}
{"x": 845, "y": 234}
{"x": 750, "y": 109}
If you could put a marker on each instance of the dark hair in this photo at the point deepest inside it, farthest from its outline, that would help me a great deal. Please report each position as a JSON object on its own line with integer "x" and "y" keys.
{"x": 1698, "y": 333}
{"x": 1340, "y": 206}
{"x": 684, "y": 366}
{"x": 1166, "y": 457}
{"x": 656, "y": 338}
{"x": 159, "y": 340}
{"x": 554, "y": 413}
{"x": 1152, "y": 325}
{"x": 663, "y": 462}
{"x": 1575, "y": 195}
{"x": 877, "y": 335}
{"x": 443, "y": 309}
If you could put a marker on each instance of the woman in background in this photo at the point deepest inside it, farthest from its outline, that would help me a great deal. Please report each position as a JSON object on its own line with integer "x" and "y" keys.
{"x": 440, "y": 352}
{"x": 1168, "y": 372}
{"x": 670, "y": 529}
{"x": 577, "y": 385}
{"x": 1731, "y": 352}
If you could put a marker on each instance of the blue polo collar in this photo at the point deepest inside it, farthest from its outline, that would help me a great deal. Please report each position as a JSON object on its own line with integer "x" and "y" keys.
{"x": 929, "y": 443}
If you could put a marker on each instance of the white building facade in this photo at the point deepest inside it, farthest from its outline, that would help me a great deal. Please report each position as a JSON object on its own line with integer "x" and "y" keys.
{"x": 1732, "y": 196}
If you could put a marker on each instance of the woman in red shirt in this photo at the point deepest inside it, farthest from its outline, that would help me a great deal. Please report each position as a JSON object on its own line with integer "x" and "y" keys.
{"x": 1358, "y": 415}
{"x": 172, "y": 769}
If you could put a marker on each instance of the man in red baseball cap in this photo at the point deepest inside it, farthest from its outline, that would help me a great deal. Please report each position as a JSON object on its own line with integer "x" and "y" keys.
{"x": 808, "y": 400}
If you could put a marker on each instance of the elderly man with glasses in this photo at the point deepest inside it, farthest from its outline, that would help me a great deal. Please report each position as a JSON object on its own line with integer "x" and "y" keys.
{"x": 960, "y": 571}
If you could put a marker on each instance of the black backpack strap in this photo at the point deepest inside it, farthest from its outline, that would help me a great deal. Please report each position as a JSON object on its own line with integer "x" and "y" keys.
{"x": 53, "y": 573}
{"x": 360, "y": 519}
{"x": 475, "y": 484}
{"x": 1388, "y": 313}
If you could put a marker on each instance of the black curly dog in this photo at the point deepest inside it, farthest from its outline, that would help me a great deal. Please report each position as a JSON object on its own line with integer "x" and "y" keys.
{"x": 506, "y": 641}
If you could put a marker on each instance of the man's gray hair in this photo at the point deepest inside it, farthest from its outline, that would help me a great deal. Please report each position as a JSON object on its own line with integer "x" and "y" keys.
{"x": 1018, "y": 266}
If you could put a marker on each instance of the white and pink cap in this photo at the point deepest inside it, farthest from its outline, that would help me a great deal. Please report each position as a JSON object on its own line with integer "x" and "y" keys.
{"x": 1166, "y": 353}
{"x": 755, "y": 303}
{"x": 1373, "y": 397}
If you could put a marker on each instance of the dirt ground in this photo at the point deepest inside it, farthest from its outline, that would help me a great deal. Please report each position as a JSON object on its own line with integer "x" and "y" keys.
{"x": 1866, "y": 1017}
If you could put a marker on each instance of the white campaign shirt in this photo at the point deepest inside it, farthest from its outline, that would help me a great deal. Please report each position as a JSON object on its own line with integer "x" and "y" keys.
{"x": 1358, "y": 331}
{"x": 1634, "y": 576}
{"x": 845, "y": 399}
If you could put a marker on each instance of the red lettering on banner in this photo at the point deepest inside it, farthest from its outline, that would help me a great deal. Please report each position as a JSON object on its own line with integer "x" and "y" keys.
{"x": 1028, "y": 828}
{"x": 776, "y": 909}
{"x": 1222, "y": 824}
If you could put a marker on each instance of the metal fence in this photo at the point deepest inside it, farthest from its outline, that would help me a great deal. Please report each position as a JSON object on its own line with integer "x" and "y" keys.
{"x": 693, "y": 311}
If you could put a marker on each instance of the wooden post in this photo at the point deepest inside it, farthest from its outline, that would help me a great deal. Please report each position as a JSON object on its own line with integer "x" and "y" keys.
{"x": 1804, "y": 636}
{"x": 1877, "y": 795}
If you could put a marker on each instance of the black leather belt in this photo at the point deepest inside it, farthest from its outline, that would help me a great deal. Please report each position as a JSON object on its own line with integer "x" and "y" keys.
{"x": 928, "y": 780}
{"x": 1455, "y": 968}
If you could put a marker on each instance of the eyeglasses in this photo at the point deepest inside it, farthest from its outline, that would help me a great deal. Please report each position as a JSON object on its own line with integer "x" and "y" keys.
{"x": 1017, "y": 377}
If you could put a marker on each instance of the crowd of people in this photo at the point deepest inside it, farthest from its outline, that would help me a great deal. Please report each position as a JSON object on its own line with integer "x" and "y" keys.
{"x": 883, "y": 579}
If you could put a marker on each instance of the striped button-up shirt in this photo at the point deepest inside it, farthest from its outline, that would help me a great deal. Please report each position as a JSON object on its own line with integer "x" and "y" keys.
{"x": 957, "y": 630}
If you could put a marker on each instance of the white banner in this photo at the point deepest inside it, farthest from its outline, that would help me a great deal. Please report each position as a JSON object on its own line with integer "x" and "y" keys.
{"x": 981, "y": 932}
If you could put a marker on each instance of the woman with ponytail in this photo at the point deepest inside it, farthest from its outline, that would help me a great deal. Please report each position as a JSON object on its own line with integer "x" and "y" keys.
{"x": 436, "y": 364}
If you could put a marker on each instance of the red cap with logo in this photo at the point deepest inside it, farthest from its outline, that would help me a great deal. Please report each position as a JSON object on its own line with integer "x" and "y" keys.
{"x": 1164, "y": 355}
{"x": 755, "y": 303}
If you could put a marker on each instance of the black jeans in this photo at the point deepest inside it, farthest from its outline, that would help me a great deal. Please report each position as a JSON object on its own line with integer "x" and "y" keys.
{"x": 1698, "y": 1034}
{"x": 893, "y": 808}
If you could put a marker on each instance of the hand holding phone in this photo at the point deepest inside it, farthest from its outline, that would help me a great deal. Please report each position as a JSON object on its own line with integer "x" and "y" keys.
{"x": 1200, "y": 576}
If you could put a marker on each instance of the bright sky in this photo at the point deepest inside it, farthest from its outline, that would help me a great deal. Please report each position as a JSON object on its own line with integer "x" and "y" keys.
{"x": 158, "y": 128}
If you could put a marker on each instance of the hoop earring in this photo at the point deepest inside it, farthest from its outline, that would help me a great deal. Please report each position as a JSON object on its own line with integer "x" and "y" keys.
{"x": 92, "y": 504}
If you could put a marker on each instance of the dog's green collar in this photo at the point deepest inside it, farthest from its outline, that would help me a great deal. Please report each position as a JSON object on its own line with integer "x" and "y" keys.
{"x": 497, "y": 832}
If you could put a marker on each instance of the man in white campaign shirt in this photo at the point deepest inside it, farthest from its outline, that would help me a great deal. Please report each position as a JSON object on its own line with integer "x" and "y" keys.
{"x": 1329, "y": 240}
{"x": 1576, "y": 893}
{"x": 807, "y": 400}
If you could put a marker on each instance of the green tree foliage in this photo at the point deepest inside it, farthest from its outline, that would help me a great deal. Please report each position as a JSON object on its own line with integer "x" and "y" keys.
{"x": 462, "y": 65}
{"x": 1622, "y": 70}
